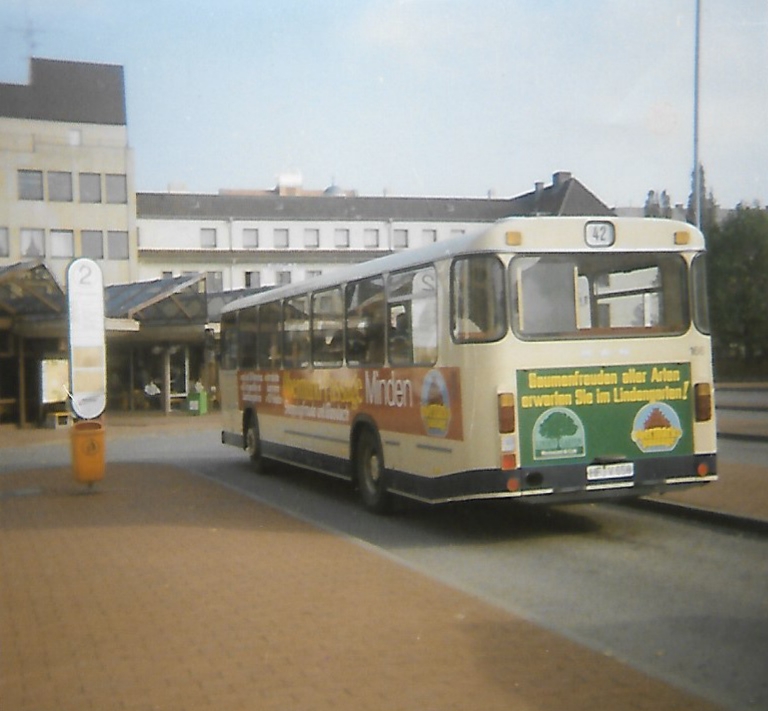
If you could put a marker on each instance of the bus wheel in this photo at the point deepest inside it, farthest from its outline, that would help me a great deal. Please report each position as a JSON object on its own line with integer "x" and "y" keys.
{"x": 253, "y": 446}
{"x": 369, "y": 468}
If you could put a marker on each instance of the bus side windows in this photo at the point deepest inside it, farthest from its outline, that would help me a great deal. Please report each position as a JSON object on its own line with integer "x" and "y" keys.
{"x": 400, "y": 336}
{"x": 478, "y": 310}
{"x": 229, "y": 336}
{"x": 296, "y": 332}
{"x": 328, "y": 328}
{"x": 412, "y": 319}
{"x": 365, "y": 322}
{"x": 269, "y": 342}
{"x": 246, "y": 347}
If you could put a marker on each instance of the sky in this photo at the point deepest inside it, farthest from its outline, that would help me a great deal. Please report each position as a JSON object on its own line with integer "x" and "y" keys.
{"x": 453, "y": 98}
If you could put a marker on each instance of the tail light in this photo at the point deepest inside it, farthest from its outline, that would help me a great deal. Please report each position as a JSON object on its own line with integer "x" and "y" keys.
{"x": 506, "y": 413}
{"x": 703, "y": 401}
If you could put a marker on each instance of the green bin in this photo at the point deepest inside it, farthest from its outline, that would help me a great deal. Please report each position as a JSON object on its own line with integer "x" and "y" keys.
{"x": 197, "y": 403}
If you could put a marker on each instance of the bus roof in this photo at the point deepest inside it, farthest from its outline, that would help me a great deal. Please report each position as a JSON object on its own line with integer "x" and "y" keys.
{"x": 514, "y": 234}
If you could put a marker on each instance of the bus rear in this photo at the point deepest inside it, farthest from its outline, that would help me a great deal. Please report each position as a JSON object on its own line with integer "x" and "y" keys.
{"x": 607, "y": 388}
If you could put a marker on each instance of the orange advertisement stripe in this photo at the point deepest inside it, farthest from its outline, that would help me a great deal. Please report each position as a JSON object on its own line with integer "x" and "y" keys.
{"x": 423, "y": 401}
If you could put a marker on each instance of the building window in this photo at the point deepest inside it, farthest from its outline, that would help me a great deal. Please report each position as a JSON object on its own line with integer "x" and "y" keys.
{"x": 250, "y": 238}
{"x": 32, "y": 243}
{"x": 167, "y": 275}
{"x": 117, "y": 189}
{"x": 30, "y": 185}
{"x": 457, "y": 232}
{"x": 371, "y": 238}
{"x": 208, "y": 237}
{"x": 341, "y": 237}
{"x": 92, "y": 244}
{"x": 214, "y": 282}
{"x": 429, "y": 236}
{"x": 90, "y": 187}
{"x": 283, "y": 278}
{"x": 5, "y": 248}
{"x": 252, "y": 280}
{"x": 312, "y": 273}
{"x": 281, "y": 238}
{"x": 62, "y": 244}
{"x": 311, "y": 237}
{"x": 59, "y": 186}
{"x": 400, "y": 239}
{"x": 117, "y": 244}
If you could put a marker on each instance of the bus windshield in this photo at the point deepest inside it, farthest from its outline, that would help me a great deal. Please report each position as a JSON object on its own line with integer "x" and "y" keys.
{"x": 599, "y": 295}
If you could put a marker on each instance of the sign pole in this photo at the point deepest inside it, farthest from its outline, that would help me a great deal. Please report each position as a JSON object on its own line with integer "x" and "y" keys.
{"x": 87, "y": 368}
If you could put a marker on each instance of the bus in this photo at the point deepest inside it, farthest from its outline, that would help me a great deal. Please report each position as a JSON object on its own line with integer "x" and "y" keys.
{"x": 544, "y": 359}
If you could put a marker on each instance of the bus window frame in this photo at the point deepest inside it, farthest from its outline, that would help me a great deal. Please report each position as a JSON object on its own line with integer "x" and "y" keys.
{"x": 699, "y": 298}
{"x": 229, "y": 346}
{"x": 274, "y": 361}
{"x": 603, "y": 332}
{"x": 241, "y": 351}
{"x": 297, "y": 344}
{"x": 367, "y": 339}
{"x": 472, "y": 333}
{"x": 337, "y": 336}
{"x": 406, "y": 302}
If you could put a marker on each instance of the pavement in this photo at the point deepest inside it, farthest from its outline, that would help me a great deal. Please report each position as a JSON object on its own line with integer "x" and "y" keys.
{"x": 161, "y": 590}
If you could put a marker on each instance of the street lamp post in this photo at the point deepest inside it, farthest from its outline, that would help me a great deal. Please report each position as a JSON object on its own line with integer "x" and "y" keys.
{"x": 696, "y": 169}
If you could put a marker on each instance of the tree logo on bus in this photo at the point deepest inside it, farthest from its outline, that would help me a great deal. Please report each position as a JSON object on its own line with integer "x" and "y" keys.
{"x": 558, "y": 434}
{"x": 435, "y": 404}
{"x": 656, "y": 428}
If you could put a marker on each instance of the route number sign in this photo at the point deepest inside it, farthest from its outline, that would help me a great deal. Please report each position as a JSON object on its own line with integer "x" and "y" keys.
{"x": 87, "y": 347}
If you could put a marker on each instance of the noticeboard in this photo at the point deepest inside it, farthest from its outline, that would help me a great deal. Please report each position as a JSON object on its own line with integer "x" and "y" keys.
{"x": 87, "y": 348}
{"x": 54, "y": 380}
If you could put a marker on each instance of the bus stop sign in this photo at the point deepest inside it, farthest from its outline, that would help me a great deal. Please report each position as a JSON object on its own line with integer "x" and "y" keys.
{"x": 87, "y": 348}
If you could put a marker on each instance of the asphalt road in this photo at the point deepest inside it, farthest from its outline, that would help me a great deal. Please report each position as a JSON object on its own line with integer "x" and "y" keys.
{"x": 685, "y": 602}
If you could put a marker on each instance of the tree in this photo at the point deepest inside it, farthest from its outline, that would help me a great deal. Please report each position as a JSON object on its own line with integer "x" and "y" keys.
{"x": 665, "y": 205}
{"x": 558, "y": 425}
{"x": 658, "y": 205}
{"x": 738, "y": 291}
{"x": 652, "y": 208}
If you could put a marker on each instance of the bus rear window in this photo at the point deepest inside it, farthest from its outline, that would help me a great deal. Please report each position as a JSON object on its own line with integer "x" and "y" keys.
{"x": 599, "y": 295}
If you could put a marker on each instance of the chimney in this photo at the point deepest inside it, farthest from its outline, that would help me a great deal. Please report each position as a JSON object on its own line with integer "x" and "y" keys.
{"x": 538, "y": 189}
{"x": 560, "y": 178}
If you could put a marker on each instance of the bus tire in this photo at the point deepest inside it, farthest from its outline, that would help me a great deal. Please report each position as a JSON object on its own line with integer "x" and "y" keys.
{"x": 369, "y": 472}
{"x": 253, "y": 446}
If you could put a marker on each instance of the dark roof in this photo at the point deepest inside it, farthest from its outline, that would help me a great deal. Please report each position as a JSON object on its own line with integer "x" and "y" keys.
{"x": 566, "y": 196}
{"x": 28, "y": 289}
{"x": 219, "y": 299}
{"x": 276, "y": 207}
{"x": 74, "y": 92}
{"x": 169, "y": 300}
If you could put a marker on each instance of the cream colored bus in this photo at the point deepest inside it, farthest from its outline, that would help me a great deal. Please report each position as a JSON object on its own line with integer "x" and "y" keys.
{"x": 544, "y": 359}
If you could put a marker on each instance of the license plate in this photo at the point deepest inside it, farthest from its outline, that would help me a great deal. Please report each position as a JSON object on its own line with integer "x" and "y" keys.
{"x": 620, "y": 470}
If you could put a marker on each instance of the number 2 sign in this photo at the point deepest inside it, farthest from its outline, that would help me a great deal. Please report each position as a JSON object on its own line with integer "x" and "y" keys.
{"x": 87, "y": 348}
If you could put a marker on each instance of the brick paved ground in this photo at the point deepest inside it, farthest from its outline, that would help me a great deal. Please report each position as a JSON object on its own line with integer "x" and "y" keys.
{"x": 161, "y": 590}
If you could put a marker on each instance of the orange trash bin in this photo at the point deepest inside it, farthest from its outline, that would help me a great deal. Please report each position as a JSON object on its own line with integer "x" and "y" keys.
{"x": 88, "y": 451}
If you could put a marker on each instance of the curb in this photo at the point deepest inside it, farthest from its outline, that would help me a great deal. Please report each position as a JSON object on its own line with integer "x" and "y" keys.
{"x": 743, "y": 437}
{"x": 710, "y": 516}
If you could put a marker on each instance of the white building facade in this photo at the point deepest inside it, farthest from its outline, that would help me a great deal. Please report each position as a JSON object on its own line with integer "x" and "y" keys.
{"x": 253, "y": 242}
{"x": 66, "y": 170}
{"x": 265, "y": 239}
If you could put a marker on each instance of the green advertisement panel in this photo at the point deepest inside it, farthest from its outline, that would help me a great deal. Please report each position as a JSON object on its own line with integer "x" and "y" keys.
{"x": 572, "y": 415}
